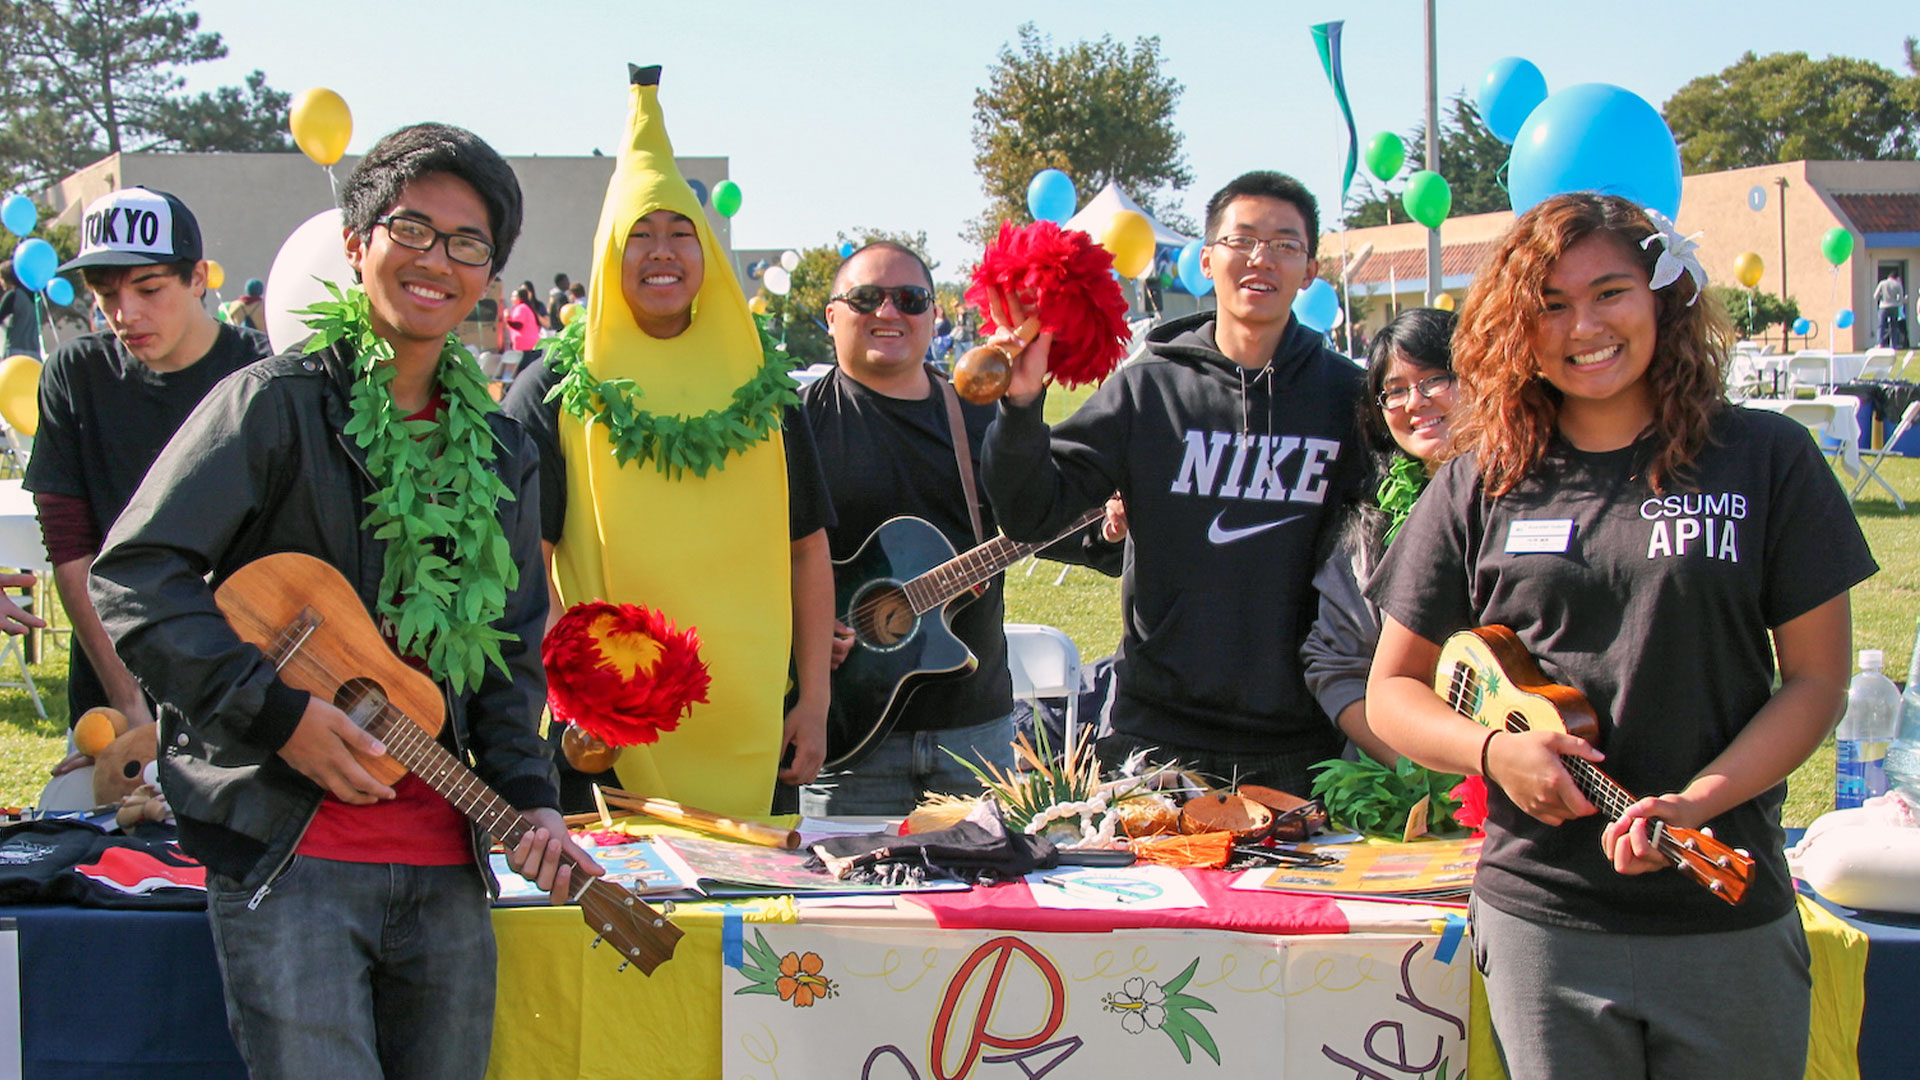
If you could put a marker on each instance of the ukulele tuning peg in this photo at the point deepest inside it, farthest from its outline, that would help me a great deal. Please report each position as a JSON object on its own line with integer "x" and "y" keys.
{"x": 606, "y": 928}
{"x": 666, "y": 907}
{"x": 627, "y": 900}
{"x": 1716, "y": 887}
{"x": 624, "y": 965}
{"x": 595, "y": 943}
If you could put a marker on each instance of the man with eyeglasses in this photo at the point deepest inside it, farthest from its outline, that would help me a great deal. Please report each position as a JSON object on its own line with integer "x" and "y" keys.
{"x": 1233, "y": 443}
{"x": 109, "y": 402}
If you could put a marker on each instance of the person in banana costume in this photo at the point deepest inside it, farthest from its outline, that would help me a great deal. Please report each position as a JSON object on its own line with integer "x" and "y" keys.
{"x": 665, "y": 479}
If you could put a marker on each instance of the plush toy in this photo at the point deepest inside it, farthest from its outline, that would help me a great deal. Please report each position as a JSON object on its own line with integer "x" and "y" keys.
{"x": 146, "y": 803}
{"x": 118, "y": 769}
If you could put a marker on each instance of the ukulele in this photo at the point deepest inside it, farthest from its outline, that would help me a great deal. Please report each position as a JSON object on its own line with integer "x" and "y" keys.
{"x": 905, "y": 570}
{"x": 309, "y": 622}
{"x": 1486, "y": 675}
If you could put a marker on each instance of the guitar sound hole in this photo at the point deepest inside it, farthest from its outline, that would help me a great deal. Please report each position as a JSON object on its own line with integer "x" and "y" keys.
{"x": 361, "y": 699}
{"x": 882, "y": 618}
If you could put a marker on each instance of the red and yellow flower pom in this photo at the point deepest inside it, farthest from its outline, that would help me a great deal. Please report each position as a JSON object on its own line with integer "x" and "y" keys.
{"x": 1067, "y": 281}
{"x": 622, "y": 672}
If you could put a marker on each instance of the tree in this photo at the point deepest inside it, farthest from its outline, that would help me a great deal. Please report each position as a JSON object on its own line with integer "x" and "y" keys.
{"x": 803, "y": 311}
{"x": 83, "y": 78}
{"x": 1753, "y": 313}
{"x": 1473, "y": 161}
{"x": 1096, "y": 110}
{"x": 1786, "y": 107}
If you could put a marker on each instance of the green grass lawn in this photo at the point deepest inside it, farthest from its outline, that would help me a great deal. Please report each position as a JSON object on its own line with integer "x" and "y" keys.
{"x": 1087, "y": 606}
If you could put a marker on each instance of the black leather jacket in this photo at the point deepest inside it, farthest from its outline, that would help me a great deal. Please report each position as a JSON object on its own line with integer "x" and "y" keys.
{"x": 264, "y": 466}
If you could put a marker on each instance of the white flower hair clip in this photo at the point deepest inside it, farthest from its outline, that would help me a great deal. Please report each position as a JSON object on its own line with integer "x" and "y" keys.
{"x": 1676, "y": 256}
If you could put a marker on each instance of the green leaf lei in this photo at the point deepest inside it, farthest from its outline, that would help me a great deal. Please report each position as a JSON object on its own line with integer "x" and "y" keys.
{"x": 1406, "y": 478}
{"x": 448, "y": 564}
{"x": 674, "y": 443}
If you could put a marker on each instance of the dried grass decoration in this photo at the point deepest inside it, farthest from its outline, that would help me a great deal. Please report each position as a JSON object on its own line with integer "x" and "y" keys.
{"x": 620, "y": 674}
{"x": 1066, "y": 281}
{"x": 1061, "y": 799}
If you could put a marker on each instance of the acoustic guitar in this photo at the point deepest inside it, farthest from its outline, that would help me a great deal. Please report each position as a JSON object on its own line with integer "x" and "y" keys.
{"x": 1487, "y": 675}
{"x": 903, "y": 573}
{"x": 309, "y": 622}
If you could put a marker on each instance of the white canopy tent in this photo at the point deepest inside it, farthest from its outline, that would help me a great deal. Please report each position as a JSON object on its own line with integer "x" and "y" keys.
{"x": 1093, "y": 217}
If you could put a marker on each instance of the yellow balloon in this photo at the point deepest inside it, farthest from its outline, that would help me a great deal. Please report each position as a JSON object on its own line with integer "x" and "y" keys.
{"x": 1748, "y": 269}
{"x": 757, "y": 305}
{"x": 1128, "y": 237}
{"x": 20, "y": 394}
{"x": 321, "y": 124}
{"x": 216, "y": 274}
{"x": 568, "y": 313}
{"x": 1444, "y": 301}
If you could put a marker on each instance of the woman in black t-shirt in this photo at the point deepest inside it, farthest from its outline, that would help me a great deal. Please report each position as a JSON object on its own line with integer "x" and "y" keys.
{"x": 1654, "y": 548}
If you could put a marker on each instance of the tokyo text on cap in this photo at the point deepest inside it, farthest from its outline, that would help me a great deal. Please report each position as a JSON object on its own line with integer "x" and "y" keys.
{"x": 136, "y": 226}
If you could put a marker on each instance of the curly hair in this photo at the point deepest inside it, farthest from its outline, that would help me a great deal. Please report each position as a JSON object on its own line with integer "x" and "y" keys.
{"x": 1509, "y": 412}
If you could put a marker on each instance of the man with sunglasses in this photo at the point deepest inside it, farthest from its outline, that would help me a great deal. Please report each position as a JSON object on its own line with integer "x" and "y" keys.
{"x": 1234, "y": 445}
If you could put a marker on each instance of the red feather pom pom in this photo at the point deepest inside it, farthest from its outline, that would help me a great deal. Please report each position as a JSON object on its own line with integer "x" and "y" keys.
{"x": 1471, "y": 793}
{"x": 622, "y": 672}
{"x": 1065, "y": 279}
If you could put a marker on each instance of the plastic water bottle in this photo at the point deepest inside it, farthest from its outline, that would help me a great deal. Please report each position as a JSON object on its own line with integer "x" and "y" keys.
{"x": 1903, "y": 757}
{"x": 1873, "y": 707}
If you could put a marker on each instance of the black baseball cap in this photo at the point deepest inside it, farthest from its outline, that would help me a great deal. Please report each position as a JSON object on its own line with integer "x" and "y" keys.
{"x": 137, "y": 226}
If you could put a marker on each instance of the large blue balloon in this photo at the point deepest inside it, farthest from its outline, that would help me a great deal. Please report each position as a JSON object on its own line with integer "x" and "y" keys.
{"x": 60, "y": 291}
{"x": 1510, "y": 91}
{"x": 1050, "y": 196}
{"x": 1843, "y": 318}
{"x": 34, "y": 263}
{"x": 1317, "y": 305}
{"x": 1595, "y": 137}
{"x": 1188, "y": 265}
{"x": 1801, "y": 327}
{"x": 18, "y": 214}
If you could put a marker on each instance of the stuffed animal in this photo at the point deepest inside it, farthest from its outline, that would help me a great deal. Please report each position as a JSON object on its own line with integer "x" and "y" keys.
{"x": 118, "y": 769}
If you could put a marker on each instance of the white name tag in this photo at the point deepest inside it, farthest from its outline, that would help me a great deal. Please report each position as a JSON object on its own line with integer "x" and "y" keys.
{"x": 1553, "y": 534}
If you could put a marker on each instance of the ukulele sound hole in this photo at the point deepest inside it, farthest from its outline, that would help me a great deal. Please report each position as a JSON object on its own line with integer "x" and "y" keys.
{"x": 361, "y": 699}
{"x": 882, "y": 618}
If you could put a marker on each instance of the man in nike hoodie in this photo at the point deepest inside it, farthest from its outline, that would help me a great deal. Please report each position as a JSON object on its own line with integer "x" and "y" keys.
{"x": 1234, "y": 444}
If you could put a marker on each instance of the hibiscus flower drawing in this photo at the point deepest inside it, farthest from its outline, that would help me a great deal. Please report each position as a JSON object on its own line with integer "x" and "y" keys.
{"x": 800, "y": 980}
{"x": 1141, "y": 1005}
{"x": 1146, "y": 1005}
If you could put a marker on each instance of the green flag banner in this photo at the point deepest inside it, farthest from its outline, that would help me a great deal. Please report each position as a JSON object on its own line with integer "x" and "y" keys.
{"x": 1326, "y": 38}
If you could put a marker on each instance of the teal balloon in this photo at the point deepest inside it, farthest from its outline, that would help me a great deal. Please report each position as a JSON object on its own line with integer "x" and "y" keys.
{"x": 34, "y": 263}
{"x": 1317, "y": 305}
{"x": 1595, "y": 137}
{"x": 1188, "y": 267}
{"x": 1843, "y": 318}
{"x": 1509, "y": 92}
{"x": 1050, "y": 196}
{"x": 18, "y": 214}
{"x": 846, "y": 248}
{"x": 60, "y": 291}
{"x": 1385, "y": 154}
{"x": 1801, "y": 327}
{"x": 726, "y": 198}
{"x": 1837, "y": 245}
{"x": 1428, "y": 198}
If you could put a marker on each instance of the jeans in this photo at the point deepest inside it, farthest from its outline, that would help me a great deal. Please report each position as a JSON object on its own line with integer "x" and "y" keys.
{"x": 1286, "y": 770}
{"x": 889, "y": 781}
{"x": 358, "y": 971}
{"x": 1893, "y": 327}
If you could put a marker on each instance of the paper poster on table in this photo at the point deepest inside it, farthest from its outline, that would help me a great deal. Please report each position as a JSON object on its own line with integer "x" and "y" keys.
{"x": 904, "y": 1004}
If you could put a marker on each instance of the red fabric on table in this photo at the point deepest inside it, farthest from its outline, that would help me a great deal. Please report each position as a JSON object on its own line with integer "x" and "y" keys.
{"x": 1011, "y": 907}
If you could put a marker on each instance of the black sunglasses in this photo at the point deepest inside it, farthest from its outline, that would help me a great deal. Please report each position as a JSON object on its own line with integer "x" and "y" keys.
{"x": 867, "y": 299}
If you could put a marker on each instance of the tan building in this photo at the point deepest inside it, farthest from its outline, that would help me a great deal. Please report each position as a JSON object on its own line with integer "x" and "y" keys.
{"x": 1877, "y": 201}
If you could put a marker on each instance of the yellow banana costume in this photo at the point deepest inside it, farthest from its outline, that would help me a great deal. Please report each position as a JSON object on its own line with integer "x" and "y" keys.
{"x": 709, "y": 551}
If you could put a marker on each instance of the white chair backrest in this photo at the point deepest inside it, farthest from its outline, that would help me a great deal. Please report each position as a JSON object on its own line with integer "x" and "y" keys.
{"x": 1810, "y": 369}
{"x": 1812, "y": 415}
{"x": 1907, "y": 419}
{"x": 1043, "y": 661}
{"x": 1878, "y": 364}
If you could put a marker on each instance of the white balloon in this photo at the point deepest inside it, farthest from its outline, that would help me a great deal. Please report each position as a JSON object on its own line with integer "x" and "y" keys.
{"x": 314, "y": 250}
{"x": 777, "y": 280}
{"x": 1339, "y": 316}
{"x": 790, "y": 261}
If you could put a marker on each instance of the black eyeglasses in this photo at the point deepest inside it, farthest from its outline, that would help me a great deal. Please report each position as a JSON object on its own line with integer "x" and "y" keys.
{"x": 867, "y": 299}
{"x": 420, "y": 236}
{"x": 1432, "y": 386}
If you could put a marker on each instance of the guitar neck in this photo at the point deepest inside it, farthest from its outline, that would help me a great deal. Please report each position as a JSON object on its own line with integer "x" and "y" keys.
{"x": 967, "y": 570}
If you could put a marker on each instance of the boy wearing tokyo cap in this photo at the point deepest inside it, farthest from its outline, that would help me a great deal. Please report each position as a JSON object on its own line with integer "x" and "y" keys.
{"x": 109, "y": 402}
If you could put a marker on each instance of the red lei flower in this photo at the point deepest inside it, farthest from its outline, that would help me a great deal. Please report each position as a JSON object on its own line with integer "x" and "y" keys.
{"x": 622, "y": 672}
{"x": 1067, "y": 280}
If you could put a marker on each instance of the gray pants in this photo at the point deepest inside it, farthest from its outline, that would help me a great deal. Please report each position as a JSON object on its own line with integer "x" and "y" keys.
{"x": 1578, "y": 1004}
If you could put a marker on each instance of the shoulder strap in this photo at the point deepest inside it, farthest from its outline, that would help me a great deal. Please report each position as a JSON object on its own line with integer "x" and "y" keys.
{"x": 962, "y": 452}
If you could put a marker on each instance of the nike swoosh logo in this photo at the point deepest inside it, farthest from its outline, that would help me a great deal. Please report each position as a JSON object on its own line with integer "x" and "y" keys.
{"x": 1217, "y": 535}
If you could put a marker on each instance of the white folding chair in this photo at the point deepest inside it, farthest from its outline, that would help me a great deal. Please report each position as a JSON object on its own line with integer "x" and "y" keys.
{"x": 1877, "y": 365}
{"x": 1744, "y": 378}
{"x": 1870, "y": 458}
{"x": 1813, "y": 368}
{"x": 1044, "y": 662}
{"x": 1817, "y": 417}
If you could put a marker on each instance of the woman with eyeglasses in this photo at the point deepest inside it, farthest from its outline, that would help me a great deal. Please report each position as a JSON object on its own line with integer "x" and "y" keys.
{"x": 1654, "y": 548}
{"x": 1403, "y": 421}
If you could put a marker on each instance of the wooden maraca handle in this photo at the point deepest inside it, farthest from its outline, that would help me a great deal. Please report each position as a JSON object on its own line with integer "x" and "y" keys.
{"x": 984, "y": 372}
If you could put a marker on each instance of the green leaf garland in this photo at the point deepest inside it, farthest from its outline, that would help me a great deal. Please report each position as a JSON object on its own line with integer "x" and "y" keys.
{"x": 1406, "y": 478}
{"x": 448, "y": 564}
{"x": 673, "y": 443}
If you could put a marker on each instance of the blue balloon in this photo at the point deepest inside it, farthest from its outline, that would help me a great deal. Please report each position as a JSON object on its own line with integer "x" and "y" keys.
{"x": 1317, "y": 305}
{"x": 1188, "y": 265}
{"x": 1801, "y": 327}
{"x": 1843, "y": 318}
{"x": 60, "y": 291}
{"x": 18, "y": 214}
{"x": 699, "y": 191}
{"x": 1511, "y": 89}
{"x": 1595, "y": 137}
{"x": 846, "y": 248}
{"x": 1050, "y": 196}
{"x": 34, "y": 263}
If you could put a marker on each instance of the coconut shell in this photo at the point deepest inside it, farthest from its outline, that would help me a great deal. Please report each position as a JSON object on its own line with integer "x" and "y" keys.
{"x": 1295, "y": 818}
{"x": 1244, "y": 818}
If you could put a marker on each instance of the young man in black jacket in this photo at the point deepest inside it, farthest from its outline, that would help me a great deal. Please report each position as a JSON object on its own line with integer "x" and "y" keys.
{"x": 1233, "y": 444}
{"x": 351, "y": 918}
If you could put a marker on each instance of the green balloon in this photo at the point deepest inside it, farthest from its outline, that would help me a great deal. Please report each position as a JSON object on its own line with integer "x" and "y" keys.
{"x": 1837, "y": 245}
{"x": 1385, "y": 154}
{"x": 1428, "y": 199}
{"x": 726, "y": 198}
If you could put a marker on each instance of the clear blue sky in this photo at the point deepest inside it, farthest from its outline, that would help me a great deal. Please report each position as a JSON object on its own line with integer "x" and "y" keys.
{"x": 855, "y": 114}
